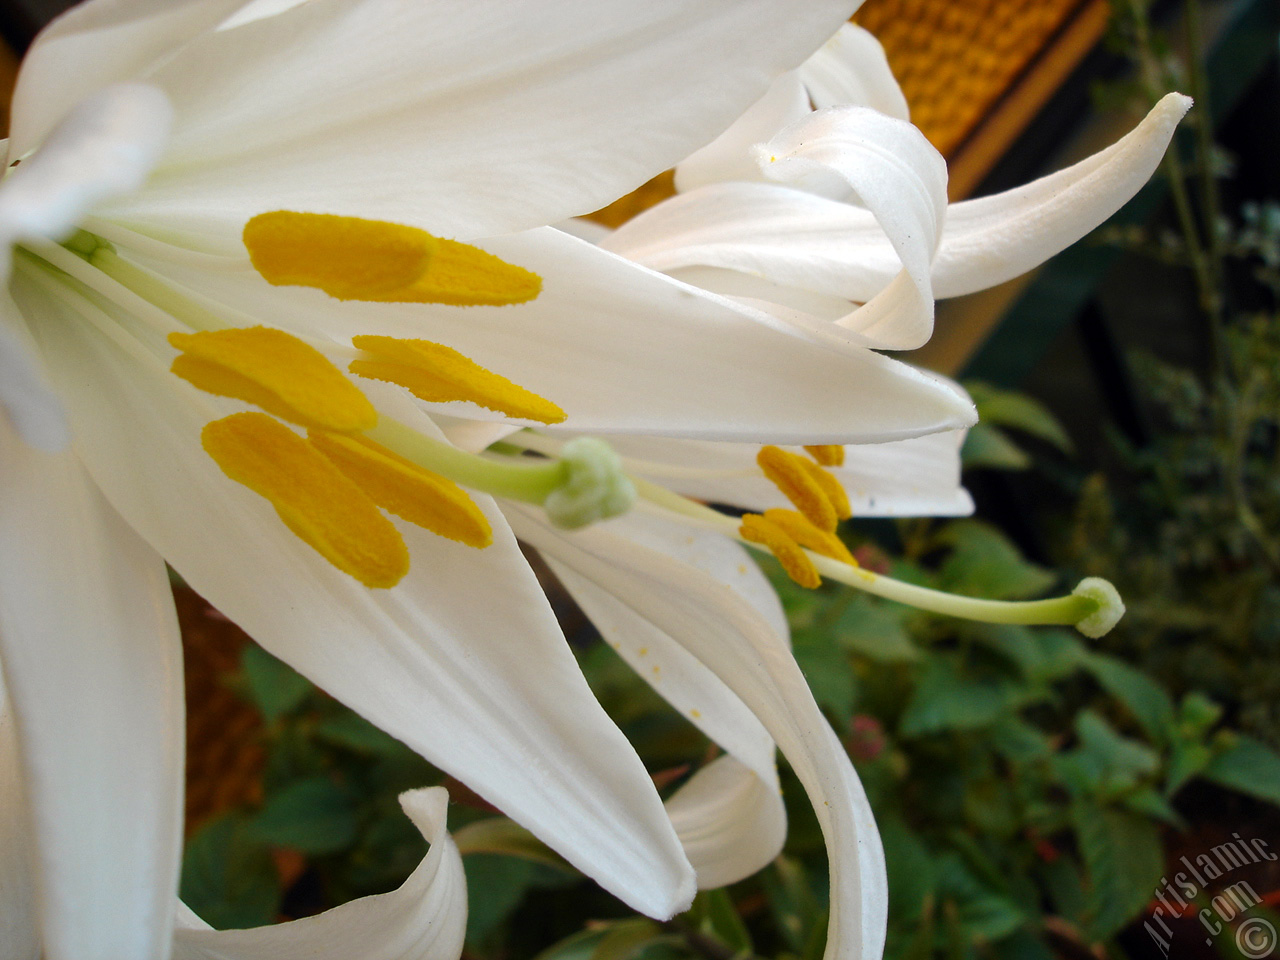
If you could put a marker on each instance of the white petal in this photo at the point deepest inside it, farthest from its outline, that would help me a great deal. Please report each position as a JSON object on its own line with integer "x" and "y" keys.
{"x": 738, "y": 645}
{"x": 450, "y": 116}
{"x": 104, "y": 147}
{"x": 766, "y": 231}
{"x": 28, "y": 403}
{"x": 17, "y": 880}
{"x": 729, "y": 156}
{"x": 463, "y": 661}
{"x": 671, "y": 670}
{"x": 729, "y": 816}
{"x": 425, "y": 919}
{"x": 895, "y": 173}
{"x": 93, "y": 663}
{"x": 731, "y": 822}
{"x": 851, "y": 69}
{"x": 993, "y": 239}
{"x": 622, "y": 349}
{"x": 94, "y": 45}
{"x": 919, "y": 477}
{"x": 815, "y": 245}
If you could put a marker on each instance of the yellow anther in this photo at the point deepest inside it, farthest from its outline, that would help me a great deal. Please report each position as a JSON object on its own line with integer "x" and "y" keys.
{"x": 798, "y": 528}
{"x": 312, "y": 496}
{"x": 794, "y": 560}
{"x": 406, "y": 489}
{"x": 438, "y": 374}
{"x": 827, "y": 454}
{"x": 831, "y": 488}
{"x": 354, "y": 259}
{"x": 346, "y": 257}
{"x": 275, "y": 371}
{"x": 790, "y": 473}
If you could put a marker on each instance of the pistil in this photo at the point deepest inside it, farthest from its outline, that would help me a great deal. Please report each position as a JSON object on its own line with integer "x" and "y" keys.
{"x": 1093, "y": 608}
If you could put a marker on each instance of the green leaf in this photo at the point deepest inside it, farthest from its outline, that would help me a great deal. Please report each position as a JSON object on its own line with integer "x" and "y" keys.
{"x": 354, "y": 732}
{"x": 946, "y": 699}
{"x": 228, "y": 876}
{"x": 1247, "y": 765}
{"x": 624, "y": 939}
{"x": 275, "y": 687}
{"x": 1018, "y": 741}
{"x": 1151, "y": 803}
{"x": 1010, "y": 408}
{"x": 984, "y": 563}
{"x": 874, "y": 630}
{"x": 1120, "y": 754}
{"x": 495, "y": 887}
{"x": 827, "y": 669}
{"x": 1124, "y": 862}
{"x": 791, "y": 899}
{"x": 315, "y": 816}
{"x": 1148, "y": 702}
{"x": 579, "y": 946}
{"x": 985, "y": 914}
{"x": 502, "y": 836}
{"x": 987, "y": 447}
{"x": 720, "y": 920}
{"x": 912, "y": 869}
{"x": 1040, "y": 655}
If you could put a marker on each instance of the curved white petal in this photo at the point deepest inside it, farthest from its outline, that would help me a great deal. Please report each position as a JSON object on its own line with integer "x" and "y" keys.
{"x": 818, "y": 246}
{"x": 463, "y": 118}
{"x": 895, "y": 173}
{"x": 731, "y": 638}
{"x": 625, "y": 350}
{"x": 729, "y": 816}
{"x": 21, "y": 939}
{"x": 729, "y": 156}
{"x": 463, "y": 661}
{"x": 93, "y": 664}
{"x": 851, "y": 69}
{"x": 919, "y": 477}
{"x": 424, "y": 919}
{"x": 993, "y": 239}
{"x": 731, "y": 822}
{"x": 104, "y": 147}
{"x": 96, "y": 44}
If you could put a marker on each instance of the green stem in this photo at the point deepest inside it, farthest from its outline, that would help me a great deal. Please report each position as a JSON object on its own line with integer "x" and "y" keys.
{"x": 529, "y": 482}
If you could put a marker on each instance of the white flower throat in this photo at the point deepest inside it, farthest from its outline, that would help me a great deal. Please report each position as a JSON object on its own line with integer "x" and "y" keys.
{"x": 332, "y": 486}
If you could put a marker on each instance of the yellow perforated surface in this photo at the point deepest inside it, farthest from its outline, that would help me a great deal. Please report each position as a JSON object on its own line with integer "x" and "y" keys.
{"x": 956, "y": 58}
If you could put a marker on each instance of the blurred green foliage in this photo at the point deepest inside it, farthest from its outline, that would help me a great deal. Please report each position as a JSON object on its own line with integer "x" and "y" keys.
{"x": 1187, "y": 522}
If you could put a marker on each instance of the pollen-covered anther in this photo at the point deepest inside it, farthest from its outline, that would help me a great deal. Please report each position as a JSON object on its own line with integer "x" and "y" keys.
{"x": 797, "y": 526}
{"x": 827, "y": 454}
{"x": 831, "y": 488}
{"x": 794, "y": 476}
{"x": 439, "y": 374}
{"x": 406, "y": 489}
{"x": 757, "y": 529}
{"x": 316, "y": 501}
{"x": 373, "y": 260}
{"x": 275, "y": 371}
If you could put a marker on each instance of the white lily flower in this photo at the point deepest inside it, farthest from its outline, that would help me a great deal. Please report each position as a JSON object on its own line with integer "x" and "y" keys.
{"x": 169, "y": 136}
{"x": 835, "y": 215}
